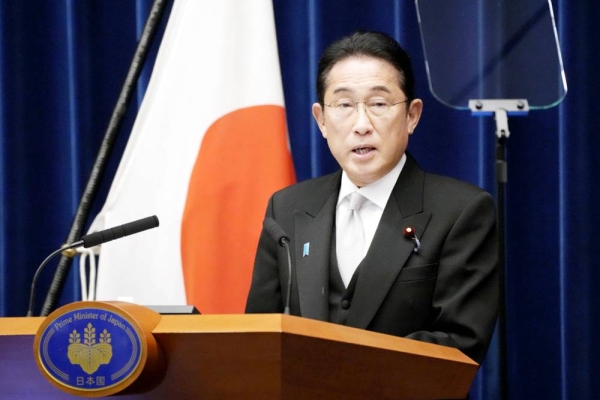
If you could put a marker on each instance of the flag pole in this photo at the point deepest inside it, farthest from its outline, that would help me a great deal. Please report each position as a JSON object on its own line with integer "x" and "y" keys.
{"x": 106, "y": 147}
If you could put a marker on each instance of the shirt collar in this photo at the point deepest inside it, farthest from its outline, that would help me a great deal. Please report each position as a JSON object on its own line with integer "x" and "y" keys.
{"x": 377, "y": 192}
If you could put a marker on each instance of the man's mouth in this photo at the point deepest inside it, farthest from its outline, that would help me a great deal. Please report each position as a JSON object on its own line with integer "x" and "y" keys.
{"x": 363, "y": 150}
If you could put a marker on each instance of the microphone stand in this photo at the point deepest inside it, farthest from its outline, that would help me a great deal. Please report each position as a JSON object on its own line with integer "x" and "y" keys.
{"x": 501, "y": 109}
{"x": 91, "y": 240}
{"x": 106, "y": 147}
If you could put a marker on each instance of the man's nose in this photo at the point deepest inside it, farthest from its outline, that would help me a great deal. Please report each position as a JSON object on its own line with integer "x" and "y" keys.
{"x": 362, "y": 124}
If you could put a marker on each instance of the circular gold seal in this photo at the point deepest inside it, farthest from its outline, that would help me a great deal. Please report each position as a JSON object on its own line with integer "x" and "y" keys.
{"x": 95, "y": 349}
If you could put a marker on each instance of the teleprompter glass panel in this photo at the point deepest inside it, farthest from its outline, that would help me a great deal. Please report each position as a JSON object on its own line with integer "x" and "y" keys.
{"x": 491, "y": 49}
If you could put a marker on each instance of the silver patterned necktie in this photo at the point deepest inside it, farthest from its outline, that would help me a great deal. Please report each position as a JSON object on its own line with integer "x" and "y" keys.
{"x": 350, "y": 242}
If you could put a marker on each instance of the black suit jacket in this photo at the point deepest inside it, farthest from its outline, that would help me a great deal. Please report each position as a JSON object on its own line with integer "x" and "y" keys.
{"x": 446, "y": 293}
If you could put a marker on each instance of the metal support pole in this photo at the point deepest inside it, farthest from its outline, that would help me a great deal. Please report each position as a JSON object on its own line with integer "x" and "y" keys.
{"x": 106, "y": 147}
{"x": 501, "y": 109}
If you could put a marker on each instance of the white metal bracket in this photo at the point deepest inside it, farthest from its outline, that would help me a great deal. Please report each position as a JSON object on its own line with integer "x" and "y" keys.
{"x": 501, "y": 109}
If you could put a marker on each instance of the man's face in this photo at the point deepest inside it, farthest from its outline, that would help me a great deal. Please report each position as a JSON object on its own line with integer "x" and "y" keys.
{"x": 366, "y": 147}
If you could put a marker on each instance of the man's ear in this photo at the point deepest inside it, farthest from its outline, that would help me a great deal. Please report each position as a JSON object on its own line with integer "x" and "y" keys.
{"x": 317, "y": 111}
{"x": 414, "y": 114}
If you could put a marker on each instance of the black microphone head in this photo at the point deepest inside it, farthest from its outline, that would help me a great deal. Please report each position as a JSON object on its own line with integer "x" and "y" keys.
{"x": 140, "y": 225}
{"x": 275, "y": 231}
{"x": 96, "y": 238}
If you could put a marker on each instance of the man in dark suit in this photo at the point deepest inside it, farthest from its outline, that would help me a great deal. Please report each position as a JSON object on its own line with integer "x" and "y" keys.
{"x": 427, "y": 246}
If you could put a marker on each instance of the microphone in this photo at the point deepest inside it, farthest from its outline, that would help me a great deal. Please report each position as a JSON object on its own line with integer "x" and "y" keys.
{"x": 283, "y": 240}
{"x": 96, "y": 238}
{"x": 276, "y": 232}
{"x": 91, "y": 240}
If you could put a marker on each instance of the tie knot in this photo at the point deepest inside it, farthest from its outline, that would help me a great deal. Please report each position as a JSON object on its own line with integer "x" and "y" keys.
{"x": 356, "y": 200}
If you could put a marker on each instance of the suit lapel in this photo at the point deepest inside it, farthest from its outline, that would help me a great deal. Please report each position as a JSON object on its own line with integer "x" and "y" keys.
{"x": 389, "y": 250}
{"x": 313, "y": 228}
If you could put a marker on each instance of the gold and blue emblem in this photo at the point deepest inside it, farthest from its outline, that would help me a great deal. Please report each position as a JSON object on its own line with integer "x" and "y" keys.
{"x": 91, "y": 353}
{"x": 89, "y": 349}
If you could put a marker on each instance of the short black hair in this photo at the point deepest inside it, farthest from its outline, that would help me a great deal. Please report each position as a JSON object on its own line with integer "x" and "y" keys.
{"x": 369, "y": 44}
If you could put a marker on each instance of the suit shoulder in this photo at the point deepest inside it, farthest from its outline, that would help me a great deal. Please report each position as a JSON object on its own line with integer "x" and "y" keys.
{"x": 450, "y": 183}
{"x": 308, "y": 196}
{"x": 437, "y": 186}
{"x": 452, "y": 190}
{"x": 326, "y": 183}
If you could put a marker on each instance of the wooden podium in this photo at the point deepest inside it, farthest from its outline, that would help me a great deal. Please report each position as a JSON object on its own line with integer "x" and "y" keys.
{"x": 270, "y": 356}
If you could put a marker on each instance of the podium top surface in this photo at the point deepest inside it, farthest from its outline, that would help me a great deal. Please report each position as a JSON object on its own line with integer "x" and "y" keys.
{"x": 265, "y": 323}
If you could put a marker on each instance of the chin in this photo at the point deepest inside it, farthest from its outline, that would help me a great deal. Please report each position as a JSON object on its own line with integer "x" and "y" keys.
{"x": 362, "y": 179}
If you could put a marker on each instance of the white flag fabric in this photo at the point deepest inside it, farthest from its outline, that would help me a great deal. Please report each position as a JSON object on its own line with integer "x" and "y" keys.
{"x": 207, "y": 149}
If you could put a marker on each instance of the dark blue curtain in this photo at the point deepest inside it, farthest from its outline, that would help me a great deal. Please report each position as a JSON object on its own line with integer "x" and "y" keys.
{"x": 62, "y": 64}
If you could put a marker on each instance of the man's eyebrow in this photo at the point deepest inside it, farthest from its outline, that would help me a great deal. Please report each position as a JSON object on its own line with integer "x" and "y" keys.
{"x": 343, "y": 90}
{"x": 378, "y": 88}
{"x": 381, "y": 89}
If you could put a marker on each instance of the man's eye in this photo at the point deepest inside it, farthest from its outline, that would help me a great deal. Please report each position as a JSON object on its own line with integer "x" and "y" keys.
{"x": 345, "y": 104}
{"x": 378, "y": 104}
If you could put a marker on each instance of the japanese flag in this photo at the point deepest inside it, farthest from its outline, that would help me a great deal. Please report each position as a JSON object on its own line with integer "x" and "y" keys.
{"x": 208, "y": 148}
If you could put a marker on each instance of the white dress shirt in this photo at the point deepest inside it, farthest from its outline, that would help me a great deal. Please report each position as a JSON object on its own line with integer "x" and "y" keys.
{"x": 377, "y": 194}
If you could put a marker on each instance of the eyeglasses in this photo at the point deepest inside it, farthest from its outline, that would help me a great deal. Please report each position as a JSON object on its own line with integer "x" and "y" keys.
{"x": 376, "y": 108}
